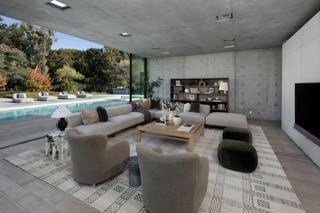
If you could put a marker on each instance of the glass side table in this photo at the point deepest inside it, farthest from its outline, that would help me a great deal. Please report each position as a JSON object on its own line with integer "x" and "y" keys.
{"x": 55, "y": 139}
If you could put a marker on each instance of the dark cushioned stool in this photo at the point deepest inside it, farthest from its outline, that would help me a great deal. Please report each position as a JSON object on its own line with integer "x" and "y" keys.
{"x": 237, "y": 155}
{"x": 235, "y": 133}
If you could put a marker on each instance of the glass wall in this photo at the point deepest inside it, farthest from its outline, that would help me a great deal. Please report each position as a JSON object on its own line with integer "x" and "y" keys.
{"x": 138, "y": 76}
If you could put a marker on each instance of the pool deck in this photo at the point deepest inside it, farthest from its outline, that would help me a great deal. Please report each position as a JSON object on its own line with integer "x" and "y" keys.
{"x": 6, "y": 104}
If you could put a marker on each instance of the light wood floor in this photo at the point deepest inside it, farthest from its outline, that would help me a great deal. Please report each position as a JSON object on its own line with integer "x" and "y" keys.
{"x": 21, "y": 192}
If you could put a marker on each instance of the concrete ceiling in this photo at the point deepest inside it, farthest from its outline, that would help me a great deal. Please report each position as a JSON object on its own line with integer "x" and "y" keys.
{"x": 181, "y": 27}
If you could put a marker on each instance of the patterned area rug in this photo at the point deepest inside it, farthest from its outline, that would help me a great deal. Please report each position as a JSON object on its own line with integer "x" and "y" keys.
{"x": 265, "y": 190}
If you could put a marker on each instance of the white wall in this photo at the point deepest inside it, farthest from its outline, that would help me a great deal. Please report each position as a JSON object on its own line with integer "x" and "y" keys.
{"x": 301, "y": 63}
{"x": 254, "y": 76}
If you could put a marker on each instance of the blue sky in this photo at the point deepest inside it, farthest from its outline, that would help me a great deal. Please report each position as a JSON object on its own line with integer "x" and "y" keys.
{"x": 62, "y": 40}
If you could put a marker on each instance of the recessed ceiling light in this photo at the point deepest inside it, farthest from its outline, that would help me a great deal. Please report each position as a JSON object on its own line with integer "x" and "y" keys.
{"x": 58, "y": 4}
{"x": 165, "y": 53}
{"x": 229, "y": 46}
{"x": 224, "y": 17}
{"x": 125, "y": 34}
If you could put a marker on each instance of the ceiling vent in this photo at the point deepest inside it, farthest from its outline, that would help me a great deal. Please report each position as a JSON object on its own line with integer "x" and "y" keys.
{"x": 224, "y": 17}
{"x": 229, "y": 43}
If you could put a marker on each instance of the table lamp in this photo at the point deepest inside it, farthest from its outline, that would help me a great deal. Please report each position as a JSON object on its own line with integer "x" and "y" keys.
{"x": 223, "y": 86}
{"x": 62, "y": 112}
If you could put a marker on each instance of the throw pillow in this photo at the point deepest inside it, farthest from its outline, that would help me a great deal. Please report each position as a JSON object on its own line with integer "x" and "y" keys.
{"x": 195, "y": 107}
{"x": 145, "y": 104}
{"x": 102, "y": 113}
{"x": 186, "y": 107}
{"x": 134, "y": 105}
{"x": 89, "y": 116}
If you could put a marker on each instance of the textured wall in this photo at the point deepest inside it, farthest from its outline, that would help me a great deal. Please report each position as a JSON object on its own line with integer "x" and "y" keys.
{"x": 254, "y": 76}
{"x": 258, "y": 83}
{"x": 301, "y": 63}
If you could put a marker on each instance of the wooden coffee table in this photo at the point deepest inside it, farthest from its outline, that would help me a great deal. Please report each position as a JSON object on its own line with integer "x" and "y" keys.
{"x": 171, "y": 131}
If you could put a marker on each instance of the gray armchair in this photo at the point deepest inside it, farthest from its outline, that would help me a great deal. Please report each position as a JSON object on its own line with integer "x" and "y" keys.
{"x": 172, "y": 183}
{"x": 93, "y": 159}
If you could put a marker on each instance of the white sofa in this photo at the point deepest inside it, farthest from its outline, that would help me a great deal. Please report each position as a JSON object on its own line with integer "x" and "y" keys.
{"x": 21, "y": 98}
{"x": 66, "y": 95}
{"x": 119, "y": 118}
{"x": 83, "y": 94}
{"x": 199, "y": 117}
{"x": 44, "y": 96}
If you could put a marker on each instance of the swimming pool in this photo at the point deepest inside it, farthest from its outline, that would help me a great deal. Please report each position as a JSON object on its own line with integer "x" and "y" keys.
{"x": 48, "y": 109}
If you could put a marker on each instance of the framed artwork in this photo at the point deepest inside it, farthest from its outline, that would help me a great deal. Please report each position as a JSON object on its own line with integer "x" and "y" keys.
{"x": 191, "y": 97}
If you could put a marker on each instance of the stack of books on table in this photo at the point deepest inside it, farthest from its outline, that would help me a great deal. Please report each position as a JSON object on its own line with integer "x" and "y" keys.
{"x": 185, "y": 127}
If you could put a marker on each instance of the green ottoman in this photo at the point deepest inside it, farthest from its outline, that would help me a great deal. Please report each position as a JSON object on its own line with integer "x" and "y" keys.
{"x": 237, "y": 155}
{"x": 235, "y": 133}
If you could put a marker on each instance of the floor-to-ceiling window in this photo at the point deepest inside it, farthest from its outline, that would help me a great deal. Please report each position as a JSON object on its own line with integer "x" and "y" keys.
{"x": 138, "y": 77}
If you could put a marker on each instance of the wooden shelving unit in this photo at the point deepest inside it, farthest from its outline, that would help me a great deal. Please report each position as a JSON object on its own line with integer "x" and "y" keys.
{"x": 203, "y": 90}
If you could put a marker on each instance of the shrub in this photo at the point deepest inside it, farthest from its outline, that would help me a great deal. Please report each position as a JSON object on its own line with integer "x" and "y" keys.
{"x": 38, "y": 80}
{"x": 66, "y": 76}
{"x": 3, "y": 81}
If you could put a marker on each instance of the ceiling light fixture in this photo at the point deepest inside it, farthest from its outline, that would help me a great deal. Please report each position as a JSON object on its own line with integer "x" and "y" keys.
{"x": 224, "y": 17}
{"x": 58, "y": 4}
{"x": 165, "y": 53}
{"x": 125, "y": 34}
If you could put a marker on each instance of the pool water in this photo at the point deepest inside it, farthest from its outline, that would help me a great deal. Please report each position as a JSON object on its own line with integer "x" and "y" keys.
{"x": 23, "y": 113}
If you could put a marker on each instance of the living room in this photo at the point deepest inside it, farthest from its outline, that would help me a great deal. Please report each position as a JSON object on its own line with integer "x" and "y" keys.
{"x": 241, "y": 76}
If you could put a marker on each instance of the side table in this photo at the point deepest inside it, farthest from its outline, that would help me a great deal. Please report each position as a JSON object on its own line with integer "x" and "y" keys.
{"x": 54, "y": 140}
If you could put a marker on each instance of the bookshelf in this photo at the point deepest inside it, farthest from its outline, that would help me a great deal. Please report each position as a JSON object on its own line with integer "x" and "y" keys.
{"x": 210, "y": 91}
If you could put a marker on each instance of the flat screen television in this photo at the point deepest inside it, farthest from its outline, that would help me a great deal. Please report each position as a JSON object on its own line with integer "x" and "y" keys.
{"x": 307, "y": 110}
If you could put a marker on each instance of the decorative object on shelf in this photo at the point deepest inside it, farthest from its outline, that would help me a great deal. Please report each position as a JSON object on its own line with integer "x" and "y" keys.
{"x": 177, "y": 120}
{"x": 209, "y": 99}
{"x": 223, "y": 86}
{"x": 202, "y": 83}
{"x": 211, "y": 90}
{"x": 178, "y": 83}
{"x": 221, "y": 107}
{"x": 216, "y": 84}
{"x": 174, "y": 96}
{"x": 186, "y": 90}
{"x": 194, "y": 90}
{"x": 177, "y": 89}
{"x": 191, "y": 97}
{"x": 62, "y": 113}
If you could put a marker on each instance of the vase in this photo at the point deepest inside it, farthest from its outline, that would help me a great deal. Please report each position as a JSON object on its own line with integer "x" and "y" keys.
{"x": 170, "y": 117}
{"x": 176, "y": 120}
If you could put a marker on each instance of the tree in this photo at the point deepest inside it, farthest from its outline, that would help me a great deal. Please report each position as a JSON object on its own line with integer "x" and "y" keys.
{"x": 13, "y": 65}
{"x": 34, "y": 41}
{"x": 57, "y": 58}
{"x": 67, "y": 77}
{"x": 38, "y": 80}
